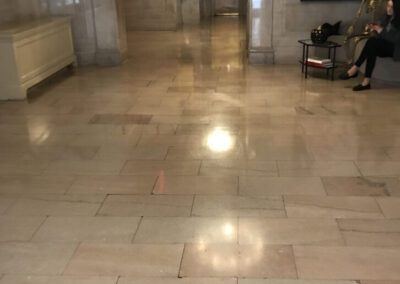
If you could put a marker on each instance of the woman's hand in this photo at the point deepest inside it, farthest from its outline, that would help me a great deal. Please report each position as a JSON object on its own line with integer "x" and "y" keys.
{"x": 376, "y": 27}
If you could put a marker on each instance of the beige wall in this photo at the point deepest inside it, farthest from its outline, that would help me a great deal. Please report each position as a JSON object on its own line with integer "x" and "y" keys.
{"x": 152, "y": 14}
{"x": 7, "y": 12}
{"x": 18, "y": 9}
{"x": 161, "y": 14}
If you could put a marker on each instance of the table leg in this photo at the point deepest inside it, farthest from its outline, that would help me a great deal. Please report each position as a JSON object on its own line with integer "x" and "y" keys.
{"x": 329, "y": 56}
{"x": 303, "y": 58}
{"x": 334, "y": 64}
{"x": 307, "y": 50}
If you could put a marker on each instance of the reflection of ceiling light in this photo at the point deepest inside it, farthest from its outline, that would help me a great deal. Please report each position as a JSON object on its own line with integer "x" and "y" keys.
{"x": 228, "y": 230}
{"x": 219, "y": 140}
{"x": 215, "y": 261}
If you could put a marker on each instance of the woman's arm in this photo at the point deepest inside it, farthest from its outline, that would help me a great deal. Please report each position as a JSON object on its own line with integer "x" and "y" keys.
{"x": 393, "y": 35}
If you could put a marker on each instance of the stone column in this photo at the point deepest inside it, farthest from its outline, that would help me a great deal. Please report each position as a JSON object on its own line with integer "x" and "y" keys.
{"x": 260, "y": 31}
{"x": 190, "y": 11}
{"x": 207, "y": 8}
{"x": 153, "y": 14}
{"x": 83, "y": 29}
{"x": 110, "y": 29}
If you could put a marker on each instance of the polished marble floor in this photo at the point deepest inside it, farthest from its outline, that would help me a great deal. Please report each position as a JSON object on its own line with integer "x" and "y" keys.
{"x": 186, "y": 166}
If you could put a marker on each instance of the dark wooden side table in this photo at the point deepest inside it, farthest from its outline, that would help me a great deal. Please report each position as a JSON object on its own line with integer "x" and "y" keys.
{"x": 330, "y": 46}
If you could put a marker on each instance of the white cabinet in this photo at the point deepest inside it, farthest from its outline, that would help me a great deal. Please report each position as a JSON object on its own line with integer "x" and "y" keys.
{"x": 32, "y": 51}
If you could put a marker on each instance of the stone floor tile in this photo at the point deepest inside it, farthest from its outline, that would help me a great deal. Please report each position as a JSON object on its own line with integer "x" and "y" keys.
{"x": 380, "y": 281}
{"x": 316, "y": 262}
{"x": 370, "y": 233}
{"x": 22, "y": 167}
{"x": 266, "y": 186}
{"x": 317, "y": 168}
{"x": 390, "y": 206}
{"x": 91, "y": 167}
{"x": 187, "y": 230}
{"x": 113, "y": 185}
{"x": 238, "y": 168}
{"x": 161, "y": 168}
{"x": 107, "y": 142}
{"x": 90, "y": 229}
{"x": 262, "y": 152}
{"x": 120, "y": 119}
{"x": 171, "y": 140}
{"x": 66, "y": 153}
{"x": 202, "y": 153}
{"x": 35, "y": 258}
{"x": 5, "y": 203}
{"x": 393, "y": 153}
{"x": 238, "y": 206}
{"x": 147, "y": 205}
{"x": 132, "y": 153}
{"x": 56, "y": 205}
{"x": 149, "y": 153}
{"x": 291, "y": 281}
{"x": 378, "y": 168}
{"x": 289, "y": 232}
{"x": 349, "y": 153}
{"x": 126, "y": 280}
{"x": 226, "y": 260}
{"x": 15, "y": 279}
{"x": 126, "y": 260}
{"x": 196, "y": 185}
{"x": 25, "y": 184}
{"x": 357, "y": 186}
{"x": 181, "y": 119}
{"x": 13, "y": 229}
{"x": 331, "y": 207}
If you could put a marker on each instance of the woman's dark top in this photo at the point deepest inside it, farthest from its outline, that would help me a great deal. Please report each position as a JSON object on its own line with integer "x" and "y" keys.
{"x": 391, "y": 33}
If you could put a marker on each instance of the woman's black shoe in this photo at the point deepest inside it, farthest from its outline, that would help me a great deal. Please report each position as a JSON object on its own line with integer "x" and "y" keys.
{"x": 361, "y": 87}
{"x": 346, "y": 76}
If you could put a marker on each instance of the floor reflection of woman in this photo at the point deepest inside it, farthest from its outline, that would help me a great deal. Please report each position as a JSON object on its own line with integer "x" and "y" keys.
{"x": 386, "y": 44}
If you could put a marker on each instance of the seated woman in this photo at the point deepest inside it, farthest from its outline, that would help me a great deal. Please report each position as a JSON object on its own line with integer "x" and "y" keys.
{"x": 386, "y": 44}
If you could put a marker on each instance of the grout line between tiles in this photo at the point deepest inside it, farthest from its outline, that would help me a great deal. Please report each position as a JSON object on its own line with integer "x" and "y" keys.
{"x": 154, "y": 185}
{"x": 380, "y": 207}
{"x": 72, "y": 256}
{"x": 237, "y": 230}
{"x": 191, "y": 210}
{"x": 238, "y": 185}
{"x": 200, "y": 166}
{"x": 358, "y": 169}
{"x": 137, "y": 229}
{"x": 101, "y": 205}
{"x": 38, "y": 228}
{"x": 341, "y": 232}
{"x": 324, "y": 186}
{"x": 74, "y": 180}
{"x": 284, "y": 205}
{"x": 181, "y": 262}
{"x": 123, "y": 167}
{"x": 167, "y": 153}
{"x": 295, "y": 262}
{"x": 277, "y": 168}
